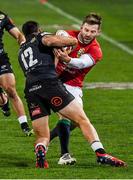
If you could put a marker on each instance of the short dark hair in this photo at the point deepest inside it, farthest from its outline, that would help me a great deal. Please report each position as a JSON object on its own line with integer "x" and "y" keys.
{"x": 30, "y": 27}
{"x": 93, "y": 18}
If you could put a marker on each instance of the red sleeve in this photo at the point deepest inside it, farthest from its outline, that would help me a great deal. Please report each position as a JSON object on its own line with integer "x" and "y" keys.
{"x": 96, "y": 53}
{"x": 72, "y": 33}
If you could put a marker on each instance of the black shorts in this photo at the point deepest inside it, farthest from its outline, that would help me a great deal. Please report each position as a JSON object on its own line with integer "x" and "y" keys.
{"x": 47, "y": 95}
{"x": 5, "y": 66}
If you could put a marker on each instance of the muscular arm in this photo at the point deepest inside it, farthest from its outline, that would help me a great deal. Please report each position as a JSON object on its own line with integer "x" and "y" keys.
{"x": 84, "y": 61}
{"x": 58, "y": 41}
{"x": 17, "y": 35}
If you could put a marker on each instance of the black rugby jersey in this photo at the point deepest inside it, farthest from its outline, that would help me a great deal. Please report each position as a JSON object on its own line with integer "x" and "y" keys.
{"x": 7, "y": 24}
{"x": 36, "y": 59}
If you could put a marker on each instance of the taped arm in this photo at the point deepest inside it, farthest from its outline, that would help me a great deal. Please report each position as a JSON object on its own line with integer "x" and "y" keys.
{"x": 84, "y": 61}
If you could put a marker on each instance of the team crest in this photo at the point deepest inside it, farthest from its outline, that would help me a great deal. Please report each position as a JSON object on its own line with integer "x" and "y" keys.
{"x": 2, "y": 16}
{"x": 80, "y": 52}
{"x": 56, "y": 101}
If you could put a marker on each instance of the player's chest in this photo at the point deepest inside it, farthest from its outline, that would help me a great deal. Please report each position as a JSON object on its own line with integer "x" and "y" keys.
{"x": 79, "y": 50}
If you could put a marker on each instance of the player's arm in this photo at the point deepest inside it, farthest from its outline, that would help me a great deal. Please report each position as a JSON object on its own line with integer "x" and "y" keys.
{"x": 17, "y": 35}
{"x": 13, "y": 30}
{"x": 84, "y": 61}
{"x": 58, "y": 41}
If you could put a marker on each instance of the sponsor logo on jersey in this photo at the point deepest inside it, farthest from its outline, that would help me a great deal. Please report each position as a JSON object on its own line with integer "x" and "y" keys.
{"x": 2, "y": 16}
{"x": 3, "y": 68}
{"x": 80, "y": 52}
{"x": 56, "y": 101}
{"x": 35, "y": 87}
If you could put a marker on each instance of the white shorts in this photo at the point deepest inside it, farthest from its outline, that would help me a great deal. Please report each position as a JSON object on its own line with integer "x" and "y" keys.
{"x": 76, "y": 92}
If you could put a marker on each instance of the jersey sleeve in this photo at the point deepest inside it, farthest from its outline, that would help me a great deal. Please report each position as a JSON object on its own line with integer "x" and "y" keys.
{"x": 9, "y": 23}
{"x": 72, "y": 33}
{"x": 41, "y": 35}
{"x": 96, "y": 53}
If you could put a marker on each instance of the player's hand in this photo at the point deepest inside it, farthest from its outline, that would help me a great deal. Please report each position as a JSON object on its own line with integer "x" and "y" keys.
{"x": 62, "y": 55}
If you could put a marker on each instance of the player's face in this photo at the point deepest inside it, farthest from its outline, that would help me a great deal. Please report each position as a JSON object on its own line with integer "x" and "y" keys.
{"x": 89, "y": 32}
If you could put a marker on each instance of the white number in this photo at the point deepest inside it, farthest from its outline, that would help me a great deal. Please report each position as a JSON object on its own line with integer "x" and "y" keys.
{"x": 32, "y": 62}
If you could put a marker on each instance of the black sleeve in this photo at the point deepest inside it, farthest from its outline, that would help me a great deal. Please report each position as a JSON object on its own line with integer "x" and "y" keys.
{"x": 8, "y": 23}
{"x": 41, "y": 35}
{"x": 39, "y": 40}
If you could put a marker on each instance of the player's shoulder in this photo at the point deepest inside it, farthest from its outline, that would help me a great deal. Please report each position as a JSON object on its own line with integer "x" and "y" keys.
{"x": 40, "y": 35}
{"x": 44, "y": 33}
{"x": 2, "y": 15}
{"x": 73, "y": 33}
{"x": 95, "y": 44}
{"x": 95, "y": 50}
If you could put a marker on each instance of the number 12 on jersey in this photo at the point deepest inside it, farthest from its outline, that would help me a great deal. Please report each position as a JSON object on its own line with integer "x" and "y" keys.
{"x": 28, "y": 58}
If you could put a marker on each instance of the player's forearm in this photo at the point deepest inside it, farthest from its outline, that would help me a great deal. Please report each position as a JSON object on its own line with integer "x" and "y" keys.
{"x": 59, "y": 41}
{"x": 84, "y": 61}
{"x": 17, "y": 35}
{"x": 20, "y": 39}
{"x": 67, "y": 41}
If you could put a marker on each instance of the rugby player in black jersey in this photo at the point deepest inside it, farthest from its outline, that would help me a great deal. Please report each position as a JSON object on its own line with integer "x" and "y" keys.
{"x": 7, "y": 78}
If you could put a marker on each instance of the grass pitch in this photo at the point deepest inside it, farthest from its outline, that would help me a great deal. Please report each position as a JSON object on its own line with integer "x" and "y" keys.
{"x": 109, "y": 110}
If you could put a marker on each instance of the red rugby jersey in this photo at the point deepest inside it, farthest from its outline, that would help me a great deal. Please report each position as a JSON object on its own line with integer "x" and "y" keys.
{"x": 75, "y": 77}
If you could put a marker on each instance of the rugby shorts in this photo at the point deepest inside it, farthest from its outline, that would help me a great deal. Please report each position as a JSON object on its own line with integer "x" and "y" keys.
{"x": 5, "y": 66}
{"x": 44, "y": 96}
{"x": 76, "y": 92}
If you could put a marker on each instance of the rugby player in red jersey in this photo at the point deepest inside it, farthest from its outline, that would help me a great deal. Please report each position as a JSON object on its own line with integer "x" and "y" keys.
{"x": 72, "y": 73}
